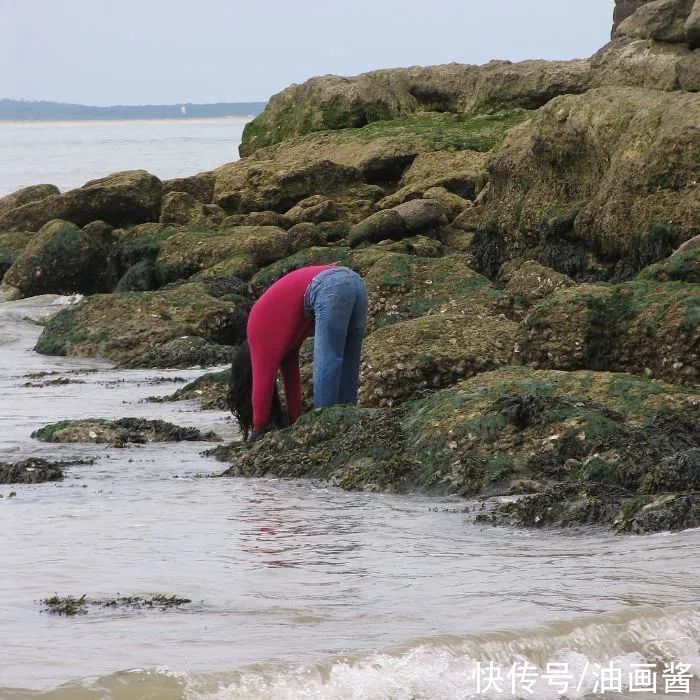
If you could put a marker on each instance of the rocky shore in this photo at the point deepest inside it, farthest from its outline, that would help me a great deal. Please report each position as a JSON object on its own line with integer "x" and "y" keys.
{"x": 529, "y": 236}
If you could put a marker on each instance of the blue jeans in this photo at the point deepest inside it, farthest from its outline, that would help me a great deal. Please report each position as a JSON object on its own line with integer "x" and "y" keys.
{"x": 337, "y": 300}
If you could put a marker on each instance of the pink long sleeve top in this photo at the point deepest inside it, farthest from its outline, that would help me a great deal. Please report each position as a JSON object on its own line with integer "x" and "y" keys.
{"x": 276, "y": 329}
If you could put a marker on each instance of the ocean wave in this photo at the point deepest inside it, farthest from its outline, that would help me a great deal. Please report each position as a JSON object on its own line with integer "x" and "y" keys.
{"x": 443, "y": 667}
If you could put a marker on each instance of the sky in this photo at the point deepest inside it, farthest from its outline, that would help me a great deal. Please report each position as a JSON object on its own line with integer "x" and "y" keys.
{"x": 106, "y": 52}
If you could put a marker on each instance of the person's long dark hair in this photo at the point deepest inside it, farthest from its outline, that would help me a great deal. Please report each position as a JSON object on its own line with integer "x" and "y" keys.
{"x": 240, "y": 393}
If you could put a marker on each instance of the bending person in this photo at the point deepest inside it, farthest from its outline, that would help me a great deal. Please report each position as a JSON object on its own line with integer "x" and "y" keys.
{"x": 326, "y": 300}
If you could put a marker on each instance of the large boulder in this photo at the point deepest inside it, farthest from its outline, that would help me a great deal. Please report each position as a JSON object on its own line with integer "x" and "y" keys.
{"x": 129, "y": 197}
{"x": 609, "y": 171}
{"x": 642, "y": 327}
{"x": 264, "y": 185}
{"x": 420, "y": 215}
{"x": 662, "y": 20}
{"x": 426, "y": 216}
{"x": 645, "y": 63}
{"x": 33, "y": 193}
{"x": 332, "y": 102}
{"x": 124, "y": 326}
{"x": 62, "y": 259}
{"x": 461, "y": 172}
{"x": 381, "y": 226}
{"x": 401, "y": 287}
{"x": 591, "y": 447}
{"x": 198, "y": 249}
{"x": 185, "y": 209}
{"x": 199, "y": 186}
{"x": 623, "y": 9}
{"x": 422, "y": 354}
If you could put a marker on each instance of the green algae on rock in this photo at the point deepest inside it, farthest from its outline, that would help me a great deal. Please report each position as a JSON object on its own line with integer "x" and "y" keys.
{"x": 627, "y": 158}
{"x": 332, "y": 102}
{"x": 119, "y": 432}
{"x": 61, "y": 259}
{"x": 682, "y": 266}
{"x": 33, "y": 193}
{"x": 431, "y": 352}
{"x": 122, "y": 326}
{"x": 642, "y": 326}
{"x": 528, "y": 282}
{"x": 202, "y": 249}
{"x": 403, "y": 286}
{"x": 128, "y": 197}
{"x": 510, "y": 431}
{"x": 315, "y": 255}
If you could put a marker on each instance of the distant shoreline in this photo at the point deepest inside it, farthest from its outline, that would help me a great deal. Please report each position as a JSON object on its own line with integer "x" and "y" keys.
{"x": 20, "y": 111}
{"x": 110, "y": 120}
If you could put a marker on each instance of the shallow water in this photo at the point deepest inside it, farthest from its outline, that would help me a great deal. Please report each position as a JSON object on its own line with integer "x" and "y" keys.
{"x": 299, "y": 590}
{"x": 68, "y": 154}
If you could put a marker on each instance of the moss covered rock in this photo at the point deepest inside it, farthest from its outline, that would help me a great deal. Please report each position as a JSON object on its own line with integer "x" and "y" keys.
{"x": 122, "y": 326}
{"x": 682, "y": 266}
{"x": 316, "y": 255}
{"x": 401, "y": 286}
{"x": 460, "y": 172}
{"x": 612, "y": 170}
{"x": 119, "y": 432}
{"x": 692, "y": 27}
{"x": 662, "y": 20}
{"x": 61, "y": 259}
{"x": 594, "y": 438}
{"x": 185, "y": 209}
{"x": 383, "y": 225}
{"x": 201, "y": 249}
{"x": 428, "y": 353}
{"x": 528, "y": 282}
{"x": 129, "y": 197}
{"x": 332, "y": 102}
{"x": 277, "y": 184}
{"x": 199, "y": 186}
{"x": 33, "y": 193}
{"x": 641, "y": 327}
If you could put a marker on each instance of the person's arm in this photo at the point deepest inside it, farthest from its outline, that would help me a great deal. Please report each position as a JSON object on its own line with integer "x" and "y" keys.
{"x": 264, "y": 374}
{"x": 292, "y": 385}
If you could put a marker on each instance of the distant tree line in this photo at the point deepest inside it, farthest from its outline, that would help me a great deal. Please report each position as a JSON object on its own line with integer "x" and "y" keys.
{"x": 21, "y": 109}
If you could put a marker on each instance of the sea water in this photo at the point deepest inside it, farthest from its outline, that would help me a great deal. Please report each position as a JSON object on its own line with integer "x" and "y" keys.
{"x": 69, "y": 153}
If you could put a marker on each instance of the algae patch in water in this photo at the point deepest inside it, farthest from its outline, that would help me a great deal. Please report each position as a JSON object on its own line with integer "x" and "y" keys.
{"x": 120, "y": 432}
{"x": 35, "y": 470}
{"x": 70, "y": 605}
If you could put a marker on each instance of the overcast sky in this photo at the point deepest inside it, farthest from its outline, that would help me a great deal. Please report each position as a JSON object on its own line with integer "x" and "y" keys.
{"x": 106, "y": 52}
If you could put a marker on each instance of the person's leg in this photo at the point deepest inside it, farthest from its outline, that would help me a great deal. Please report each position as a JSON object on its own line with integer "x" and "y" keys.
{"x": 333, "y": 305}
{"x": 350, "y": 377}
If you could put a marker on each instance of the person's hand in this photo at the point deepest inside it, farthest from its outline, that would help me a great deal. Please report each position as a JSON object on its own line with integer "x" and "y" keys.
{"x": 259, "y": 434}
